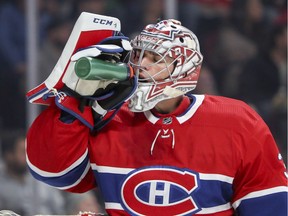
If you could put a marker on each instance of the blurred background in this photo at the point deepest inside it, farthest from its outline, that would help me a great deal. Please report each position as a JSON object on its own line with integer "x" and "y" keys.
{"x": 244, "y": 43}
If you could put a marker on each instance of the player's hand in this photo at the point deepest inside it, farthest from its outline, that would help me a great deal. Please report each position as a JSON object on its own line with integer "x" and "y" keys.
{"x": 90, "y": 100}
{"x": 104, "y": 94}
{"x": 113, "y": 49}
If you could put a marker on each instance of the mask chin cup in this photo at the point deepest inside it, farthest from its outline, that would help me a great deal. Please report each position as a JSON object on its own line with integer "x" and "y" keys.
{"x": 172, "y": 92}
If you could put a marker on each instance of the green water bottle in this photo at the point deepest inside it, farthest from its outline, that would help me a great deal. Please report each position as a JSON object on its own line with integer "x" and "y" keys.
{"x": 88, "y": 68}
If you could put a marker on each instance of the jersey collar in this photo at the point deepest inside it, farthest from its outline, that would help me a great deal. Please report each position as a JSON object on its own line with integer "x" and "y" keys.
{"x": 183, "y": 112}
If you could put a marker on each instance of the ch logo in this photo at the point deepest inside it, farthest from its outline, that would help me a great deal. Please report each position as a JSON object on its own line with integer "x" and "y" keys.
{"x": 160, "y": 191}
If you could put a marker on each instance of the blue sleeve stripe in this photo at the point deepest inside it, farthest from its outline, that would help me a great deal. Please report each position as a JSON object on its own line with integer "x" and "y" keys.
{"x": 88, "y": 167}
{"x": 260, "y": 193}
{"x": 56, "y": 174}
{"x": 66, "y": 180}
{"x": 265, "y": 205}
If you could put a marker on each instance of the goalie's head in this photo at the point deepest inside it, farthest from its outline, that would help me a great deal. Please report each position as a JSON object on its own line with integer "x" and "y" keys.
{"x": 167, "y": 60}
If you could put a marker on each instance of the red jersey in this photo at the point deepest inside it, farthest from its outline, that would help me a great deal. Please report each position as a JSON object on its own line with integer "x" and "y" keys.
{"x": 211, "y": 156}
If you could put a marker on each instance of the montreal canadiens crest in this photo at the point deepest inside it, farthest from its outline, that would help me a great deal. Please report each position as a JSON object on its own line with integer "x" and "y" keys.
{"x": 160, "y": 191}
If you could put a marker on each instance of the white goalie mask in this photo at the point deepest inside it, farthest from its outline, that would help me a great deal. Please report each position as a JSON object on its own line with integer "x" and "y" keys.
{"x": 175, "y": 47}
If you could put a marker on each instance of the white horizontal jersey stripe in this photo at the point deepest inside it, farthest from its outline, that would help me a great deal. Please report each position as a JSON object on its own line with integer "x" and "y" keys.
{"x": 218, "y": 177}
{"x": 112, "y": 170}
{"x": 116, "y": 170}
{"x": 215, "y": 209}
{"x": 224, "y": 207}
{"x": 260, "y": 193}
{"x": 110, "y": 205}
{"x": 53, "y": 174}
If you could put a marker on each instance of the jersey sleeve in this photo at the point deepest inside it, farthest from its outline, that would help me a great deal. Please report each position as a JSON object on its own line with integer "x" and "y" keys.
{"x": 260, "y": 184}
{"x": 57, "y": 152}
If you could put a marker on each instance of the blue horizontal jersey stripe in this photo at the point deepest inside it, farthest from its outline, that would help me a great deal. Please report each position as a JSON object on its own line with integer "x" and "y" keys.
{"x": 111, "y": 184}
{"x": 67, "y": 179}
{"x": 211, "y": 192}
{"x": 272, "y": 204}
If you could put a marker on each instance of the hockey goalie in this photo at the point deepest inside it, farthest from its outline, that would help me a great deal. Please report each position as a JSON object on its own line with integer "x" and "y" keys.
{"x": 145, "y": 140}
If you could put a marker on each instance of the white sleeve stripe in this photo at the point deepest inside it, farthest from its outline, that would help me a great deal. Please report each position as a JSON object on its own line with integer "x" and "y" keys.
{"x": 50, "y": 174}
{"x": 215, "y": 209}
{"x": 78, "y": 181}
{"x": 260, "y": 193}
